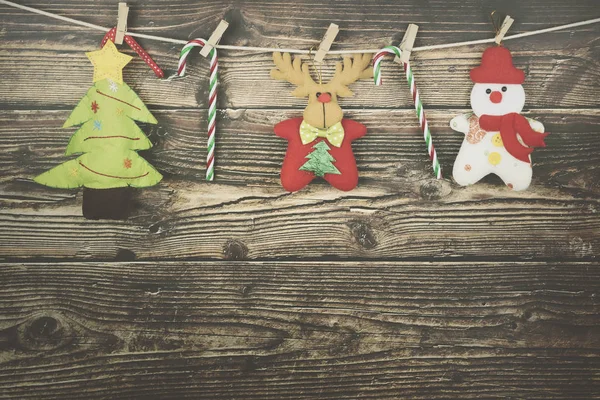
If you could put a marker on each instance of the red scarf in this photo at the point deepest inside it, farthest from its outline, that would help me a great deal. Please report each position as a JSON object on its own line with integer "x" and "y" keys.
{"x": 509, "y": 126}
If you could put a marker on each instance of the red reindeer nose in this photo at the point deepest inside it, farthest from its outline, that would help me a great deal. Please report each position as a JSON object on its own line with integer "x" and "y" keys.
{"x": 324, "y": 97}
{"x": 496, "y": 97}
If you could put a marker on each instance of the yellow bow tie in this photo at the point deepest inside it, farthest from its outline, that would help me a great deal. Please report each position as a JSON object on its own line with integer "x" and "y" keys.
{"x": 334, "y": 134}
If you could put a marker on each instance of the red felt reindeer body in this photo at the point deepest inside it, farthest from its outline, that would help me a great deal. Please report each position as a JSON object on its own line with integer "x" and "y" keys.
{"x": 319, "y": 143}
{"x": 294, "y": 179}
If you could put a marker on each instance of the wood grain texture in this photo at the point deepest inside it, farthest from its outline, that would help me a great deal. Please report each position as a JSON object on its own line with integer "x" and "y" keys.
{"x": 398, "y": 207}
{"x": 249, "y": 153}
{"x": 301, "y": 331}
{"x": 561, "y": 67}
{"x": 200, "y": 221}
{"x": 186, "y": 221}
{"x": 405, "y": 288}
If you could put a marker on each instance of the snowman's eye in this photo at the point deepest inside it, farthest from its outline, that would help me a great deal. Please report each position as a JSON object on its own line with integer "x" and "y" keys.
{"x": 488, "y": 91}
{"x": 504, "y": 88}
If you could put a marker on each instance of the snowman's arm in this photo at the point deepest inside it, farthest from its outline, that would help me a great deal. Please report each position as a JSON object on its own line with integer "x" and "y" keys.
{"x": 536, "y": 125}
{"x": 460, "y": 123}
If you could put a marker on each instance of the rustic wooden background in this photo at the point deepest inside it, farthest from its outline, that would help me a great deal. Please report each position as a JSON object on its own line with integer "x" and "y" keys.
{"x": 405, "y": 288}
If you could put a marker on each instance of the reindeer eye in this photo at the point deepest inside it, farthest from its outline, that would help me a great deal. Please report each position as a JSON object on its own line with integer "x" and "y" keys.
{"x": 504, "y": 88}
{"x": 488, "y": 91}
{"x": 318, "y": 94}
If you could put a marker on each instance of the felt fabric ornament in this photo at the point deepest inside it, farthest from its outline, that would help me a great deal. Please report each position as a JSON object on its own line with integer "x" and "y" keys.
{"x": 498, "y": 139}
{"x": 320, "y": 142}
{"x": 109, "y": 140}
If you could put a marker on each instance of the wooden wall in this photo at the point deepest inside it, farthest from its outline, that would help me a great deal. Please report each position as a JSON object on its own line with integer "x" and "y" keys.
{"x": 405, "y": 288}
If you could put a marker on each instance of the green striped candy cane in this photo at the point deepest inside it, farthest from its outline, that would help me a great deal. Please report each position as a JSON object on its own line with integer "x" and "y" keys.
{"x": 212, "y": 99}
{"x": 416, "y": 99}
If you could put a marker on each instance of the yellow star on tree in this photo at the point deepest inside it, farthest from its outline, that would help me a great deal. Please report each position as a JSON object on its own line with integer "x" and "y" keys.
{"x": 108, "y": 63}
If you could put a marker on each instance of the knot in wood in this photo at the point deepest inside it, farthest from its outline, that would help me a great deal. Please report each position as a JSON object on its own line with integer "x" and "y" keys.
{"x": 154, "y": 228}
{"x": 125, "y": 255}
{"x": 363, "y": 233}
{"x": 432, "y": 190}
{"x": 43, "y": 332}
{"x": 43, "y": 327}
{"x": 235, "y": 250}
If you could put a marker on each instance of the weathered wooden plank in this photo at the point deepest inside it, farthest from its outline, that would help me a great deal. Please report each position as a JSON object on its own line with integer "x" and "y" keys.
{"x": 390, "y": 157}
{"x": 372, "y": 329}
{"x": 186, "y": 220}
{"x": 561, "y": 67}
{"x": 554, "y": 80}
{"x": 299, "y": 330}
{"x": 301, "y": 23}
{"x": 398, "y": 210}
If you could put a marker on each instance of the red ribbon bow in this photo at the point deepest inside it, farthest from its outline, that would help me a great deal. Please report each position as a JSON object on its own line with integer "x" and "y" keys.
{"x": 509, "y": 126}
{"x": 110, "y": 35}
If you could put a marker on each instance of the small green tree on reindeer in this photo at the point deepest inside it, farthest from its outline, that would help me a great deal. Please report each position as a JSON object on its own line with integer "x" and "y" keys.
{"x": 320, "y": 162}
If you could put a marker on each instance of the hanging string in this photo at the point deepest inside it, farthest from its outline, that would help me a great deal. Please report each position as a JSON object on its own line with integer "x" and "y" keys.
{"x": 494, "y": 23}
{"x": 318, "y": 71}
{"x": 297, "y": 51}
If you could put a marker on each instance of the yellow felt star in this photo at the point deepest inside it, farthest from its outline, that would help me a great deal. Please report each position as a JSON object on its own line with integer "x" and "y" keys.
{"x": 108, "y": 63}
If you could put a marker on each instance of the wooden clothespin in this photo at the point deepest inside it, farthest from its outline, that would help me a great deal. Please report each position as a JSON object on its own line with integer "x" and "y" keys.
{"x": 121, "y": 23}
{"x": 508, "y": 21}
{"x": 326, "y": 43}
{"x": 214, "y": 38}
{"x": 407, "y": 43}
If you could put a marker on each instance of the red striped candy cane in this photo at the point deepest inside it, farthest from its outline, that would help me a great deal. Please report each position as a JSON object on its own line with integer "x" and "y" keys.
{"x": 212, "y": 99}
{"x": 416, "y": 99}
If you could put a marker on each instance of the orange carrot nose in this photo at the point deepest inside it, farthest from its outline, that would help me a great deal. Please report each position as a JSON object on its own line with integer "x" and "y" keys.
{"x": 324, "y": 97}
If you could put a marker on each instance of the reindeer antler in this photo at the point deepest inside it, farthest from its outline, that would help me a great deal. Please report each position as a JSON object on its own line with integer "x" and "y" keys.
{"x": 294, "y": 72}
{"x": 353, "y": 69}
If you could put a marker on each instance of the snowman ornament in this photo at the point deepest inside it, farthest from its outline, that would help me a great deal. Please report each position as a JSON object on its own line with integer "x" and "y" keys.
{"x": 498, "y": 139}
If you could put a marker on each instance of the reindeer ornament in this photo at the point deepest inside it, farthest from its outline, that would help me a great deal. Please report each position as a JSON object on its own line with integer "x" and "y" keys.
{"x": 319, "y": 143}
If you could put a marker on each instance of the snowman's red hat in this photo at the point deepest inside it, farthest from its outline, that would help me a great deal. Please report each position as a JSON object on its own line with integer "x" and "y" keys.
{"x": 497, "y": 67}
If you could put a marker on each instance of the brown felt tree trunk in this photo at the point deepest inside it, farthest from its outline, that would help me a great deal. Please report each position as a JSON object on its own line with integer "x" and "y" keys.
{"x": 107, "y": 203}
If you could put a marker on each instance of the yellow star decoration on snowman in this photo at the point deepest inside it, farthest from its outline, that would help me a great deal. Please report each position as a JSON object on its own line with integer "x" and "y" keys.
{"x": 108, "y": 63}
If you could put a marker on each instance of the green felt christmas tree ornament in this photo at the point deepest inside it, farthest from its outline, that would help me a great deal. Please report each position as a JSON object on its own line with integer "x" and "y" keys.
{"x": 108, "y": 140}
